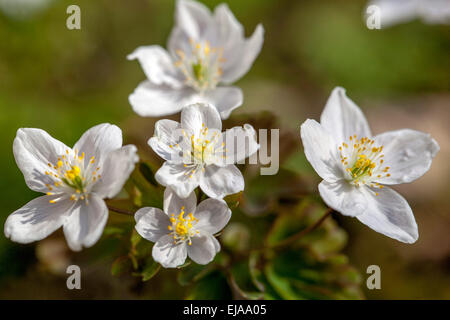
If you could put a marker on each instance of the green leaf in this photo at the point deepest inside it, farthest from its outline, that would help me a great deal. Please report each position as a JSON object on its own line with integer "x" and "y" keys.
{"x": 256, "y": 265}
{"x": 212, "y": 287}
{"x": 233, "y": 200}
{"x": 299, "y": 274}
{"x": 150, "y": 269}
{"x": 242, "y": 284}
{"x": 142, "y": 187}
{"x": 325, "y": 239}
{"x": 121, "y": 265}
{"x": 192, "y": 273}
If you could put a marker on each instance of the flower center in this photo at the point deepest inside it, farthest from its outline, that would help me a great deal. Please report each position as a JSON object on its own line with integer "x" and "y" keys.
{"x": 202, "y": 66}
{"x": 363, "y": 161}
{"x": 72, "y": 174}
{"x": 182, "y": 228}
{"x": 203, "y": 149}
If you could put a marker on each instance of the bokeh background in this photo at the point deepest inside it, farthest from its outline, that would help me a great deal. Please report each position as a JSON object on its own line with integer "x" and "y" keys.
{"x": 65, "y": 81}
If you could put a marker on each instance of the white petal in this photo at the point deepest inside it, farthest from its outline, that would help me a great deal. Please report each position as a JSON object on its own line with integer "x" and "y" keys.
{"x": 213, "y": 215}
{"x": 239, "y": 143}
{"x": 436, "y": 12}
{"x": 168, "y": 254}
{"x": 343, "y": 197}
{"x": 218, "y": 182}
{"x": 393, "y": 12}
{"x": 150, "y": 100}
{"x": 192, "y": 17}
{"x": 37, "y": 219}
{"x": 202, "y": 250}
{"x": 408, "y": 153}
{"x": 241, "y": 58}
{"x": 179, "y": 41}
{"x": 321, "y": 150}
{"x": 85, "y": 224}
{"x": 173, "y": 203}
{"x": 197, "y": 116}
{"x": 152, "y": 223}
{"x": 224, "y": 99}
{"x": 167, "y": 135}
{"x": 98, "y": 141}
{"x": 115, "y": 171}
{"x": 178, "y": 178}
{"x": 342, "y": 118}
{"x": 157, "y": 65}
{"x": 389, "y": 214}
{"x": 33, "y": 150}
{"x": 216, "y": 244}
{"x": 228, "y": 27}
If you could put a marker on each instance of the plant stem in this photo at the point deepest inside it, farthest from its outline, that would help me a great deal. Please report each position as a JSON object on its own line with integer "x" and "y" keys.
{"x": 297, "y": 236}
{"x": 121, "y": 211}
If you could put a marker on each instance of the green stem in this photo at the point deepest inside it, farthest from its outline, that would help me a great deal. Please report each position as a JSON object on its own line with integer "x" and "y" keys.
{"x": 301, "y": 234}
{"x": 121, "y": 211}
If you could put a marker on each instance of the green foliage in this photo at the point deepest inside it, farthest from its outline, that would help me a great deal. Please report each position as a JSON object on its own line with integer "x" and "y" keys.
{"x": 142, "y": 187}
{"x": 212, "y": 287}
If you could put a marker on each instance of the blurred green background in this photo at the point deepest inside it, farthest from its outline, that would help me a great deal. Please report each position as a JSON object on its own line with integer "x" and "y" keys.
{"x": 65, "y": 81}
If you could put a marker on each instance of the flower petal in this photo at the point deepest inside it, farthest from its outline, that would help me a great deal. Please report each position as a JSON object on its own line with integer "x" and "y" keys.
{"x": 218, "y": 182}
{"x": 167, "y": 135}
{"x": 151, "y": 100}
{"x": 216, "y": 244}
{"x": 342, "y": 118}
{"x": 213, "y": 215}
{"x": 393, "y": 12}
{"x": 158, "y": 66}
{"x": 224, "y": 99}
{"x": 193, "y": 18}
{"x": 389, "y": 214}
{"x": 408, "y": 153}
{"x": 203, "y": 249}
{"x": 178, "y": 178}
{"x": 33, "y": 150}
{"x": 37, "y": 219}
{"x": 85, "y": 224}
{"x": 343, "y": 197}
{"x": 199, "y": 115}
{"x": 229, "y": 29}
{"x": 240, "y": 57}
{"x": 237, "y": 144}
{"x": 168, "y": 254}
{"x": 321, "y": 150}
{"x": 152, "y": 223}
{"x": 173, "y": 203}
{"x": 98, "y": 141}
{"x": 116, "y": 169}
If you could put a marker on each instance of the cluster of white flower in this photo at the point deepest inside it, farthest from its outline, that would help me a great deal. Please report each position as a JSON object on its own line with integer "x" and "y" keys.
{"x": 205, "y": 49}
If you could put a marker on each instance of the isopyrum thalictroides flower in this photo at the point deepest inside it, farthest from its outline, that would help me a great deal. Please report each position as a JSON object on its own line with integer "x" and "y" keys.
{"x": 357, "y": 167}
{"x": 75, "y": 182}
{"x": 205, "y": 50}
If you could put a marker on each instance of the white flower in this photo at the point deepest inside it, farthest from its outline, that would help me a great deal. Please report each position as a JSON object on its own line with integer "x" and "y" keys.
{"x": 399, "y": 11}
{"x": 75, "y": 182}
{"x": 197, "y": 153}
{"x": 182, "y": 229}
{"x": 356, "y": 167}
{"x": 204, "y": 49}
